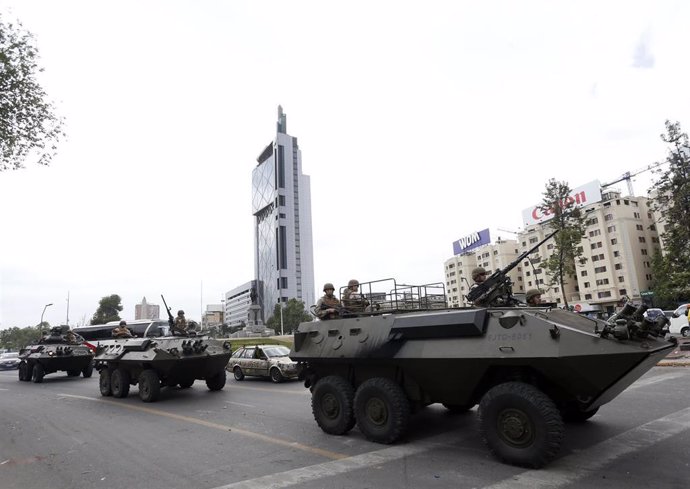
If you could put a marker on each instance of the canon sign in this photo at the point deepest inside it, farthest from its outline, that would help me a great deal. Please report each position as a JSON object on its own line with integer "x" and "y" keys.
{"x": 581, "y": 196}
{"x": 471, "y": 241}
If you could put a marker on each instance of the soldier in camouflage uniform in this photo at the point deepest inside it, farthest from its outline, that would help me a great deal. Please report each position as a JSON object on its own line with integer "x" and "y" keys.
{"x": 180, "y": 322}
{"x": 353, "y": 301}
{"x": 328, "y": 306}
{"x": 479, "y": 276}
{"x": 533, "y": 297}
{"x": 122, "y": 331}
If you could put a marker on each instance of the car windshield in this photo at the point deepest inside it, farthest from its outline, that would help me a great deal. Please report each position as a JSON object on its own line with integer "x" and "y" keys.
{"x": 9, "y": 355}
{"x": 276, "y": 351}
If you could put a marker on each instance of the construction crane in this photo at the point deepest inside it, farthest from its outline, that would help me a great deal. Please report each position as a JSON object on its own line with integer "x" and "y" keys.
{"x": 627, "y": 176}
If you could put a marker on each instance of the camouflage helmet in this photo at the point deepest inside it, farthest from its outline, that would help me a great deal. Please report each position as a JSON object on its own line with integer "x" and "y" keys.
{"x": 328, "y": 286}
{"x": 180, "y": 312}
{"x": 353, "y": 282}
{"x": 531, "y": 293}
{"x": 123, "y": 323}
{"x": 477, "y": 272}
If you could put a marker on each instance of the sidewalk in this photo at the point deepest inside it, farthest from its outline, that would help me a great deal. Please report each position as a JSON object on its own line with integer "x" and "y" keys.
{"x": 679, "y": 357}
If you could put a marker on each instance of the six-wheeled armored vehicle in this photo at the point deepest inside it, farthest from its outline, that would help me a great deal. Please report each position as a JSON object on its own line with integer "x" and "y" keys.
{"x": 162, "y": 361}
{"x": 61, "y": 350}
{"x": 530, "y": 369}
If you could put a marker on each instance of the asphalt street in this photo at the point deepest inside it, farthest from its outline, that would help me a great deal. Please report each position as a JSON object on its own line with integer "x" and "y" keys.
{"x": 255, "y": 434}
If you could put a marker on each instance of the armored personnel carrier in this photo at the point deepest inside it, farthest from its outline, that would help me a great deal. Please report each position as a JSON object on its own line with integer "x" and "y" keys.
{"x": 61, "y": 350}
{"x": 530, "y": 369}
{"x": 153, "y": 363}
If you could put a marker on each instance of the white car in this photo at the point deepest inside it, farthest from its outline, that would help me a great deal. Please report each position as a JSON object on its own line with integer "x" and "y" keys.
{"x": 263, "y": 361}
{"x": 679, "y": 321}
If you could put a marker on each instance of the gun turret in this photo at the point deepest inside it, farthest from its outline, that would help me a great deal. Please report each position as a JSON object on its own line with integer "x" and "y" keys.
{"x": 171, "y": 319}
{"x": 631, "y": 323}
{"x": 497, "y": 289}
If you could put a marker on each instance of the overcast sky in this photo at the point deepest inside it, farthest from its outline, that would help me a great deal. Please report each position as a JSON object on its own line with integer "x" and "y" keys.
{"x": 419, "y": 122}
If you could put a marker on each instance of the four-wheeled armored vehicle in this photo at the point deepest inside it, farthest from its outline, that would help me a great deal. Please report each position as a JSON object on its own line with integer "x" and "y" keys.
{"x": 529, "y": 368}
{"x": 61, "y": 350}
{"x": 161, "y": 361}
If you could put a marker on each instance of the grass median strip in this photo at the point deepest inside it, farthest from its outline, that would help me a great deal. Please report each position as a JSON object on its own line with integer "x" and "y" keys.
{"x": 209, "y": 424}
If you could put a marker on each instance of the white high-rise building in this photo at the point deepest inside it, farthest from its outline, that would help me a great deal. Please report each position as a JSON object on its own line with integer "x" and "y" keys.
{"x": 281, "y": 205}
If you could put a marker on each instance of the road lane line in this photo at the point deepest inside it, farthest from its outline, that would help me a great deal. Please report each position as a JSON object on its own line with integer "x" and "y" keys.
{"x": 336, "y": 467}
{"x": 241, "y": 404}
{"x": 300, "y": 392}
{"x": 572, "y": 468}
{"x": 222, "y": 427}
{"x": 656, "y": 380}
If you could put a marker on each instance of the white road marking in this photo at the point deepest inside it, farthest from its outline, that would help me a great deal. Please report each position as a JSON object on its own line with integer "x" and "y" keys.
{"x": 241, "y": 404}
{"x": 4, "y": 389}
{"x": 572, "y": 468}
{"x": 656, "y": 379}
{"x": 329, "y": 469}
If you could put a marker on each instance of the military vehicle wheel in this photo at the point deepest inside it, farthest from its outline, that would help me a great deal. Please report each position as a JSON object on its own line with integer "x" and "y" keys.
{"x": 237, "y": 372}
{"x": 88, "y": 371}
{"x": 520, "y": 424}
{"x": 73, "y": 373}
{"x": 332, "y": 404}
{"x": 571, "y": 414}
{"x": 37, "y": 373}
{"x": 149, "y": 386}
{"x": 382, "y": 410}
{"x": 685, "y": 332}
{"x": 24, "y": 374}
{"x": 104, "y": 383}
{"x": 119, "y": 383}
{"x": 276, "y": 376}
{"x": 458, "y": 408}
{"x": 217, "y": 382}
{"x": 186, "y": 384}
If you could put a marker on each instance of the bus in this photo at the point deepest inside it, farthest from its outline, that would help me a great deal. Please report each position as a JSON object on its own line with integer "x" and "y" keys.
{"x": 138, "y": 327}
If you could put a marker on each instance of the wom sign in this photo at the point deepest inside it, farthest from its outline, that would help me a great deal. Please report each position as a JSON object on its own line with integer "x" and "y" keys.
{"x": 579, "y": 197}
{"x": 471, "y": 241}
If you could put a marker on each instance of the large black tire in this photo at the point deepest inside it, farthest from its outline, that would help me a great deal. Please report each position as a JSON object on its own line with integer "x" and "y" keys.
{"x": 332, "y": 402}
{"x": 276, "y": 375}
{"x": 520, "y": 424}
{"x": 119, "y": 383}
{"x": 104, "y": 383}
{"x": 186, "y": 384}
{"x": 149, "y": 386}
{"x": 571, "y": 414}
{"x": 237, "y": 372}
{"x": 73, "y": 373}
{"x": 88, "y": 370}
{"x": 24, "y": 372}
{"x": 37, "y": 373}
{"x": 685, "y": 332}
{"x": 382, "y": 410}
{"x": 217, "y": 382}
{"x": 458, "y": 408}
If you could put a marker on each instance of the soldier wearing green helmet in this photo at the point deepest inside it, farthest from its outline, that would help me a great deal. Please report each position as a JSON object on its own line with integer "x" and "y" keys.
{"x": 328, "y": 306}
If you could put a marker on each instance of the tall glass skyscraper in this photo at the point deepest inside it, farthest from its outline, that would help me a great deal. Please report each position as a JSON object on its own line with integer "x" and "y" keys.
{"x": 281, "y": 204}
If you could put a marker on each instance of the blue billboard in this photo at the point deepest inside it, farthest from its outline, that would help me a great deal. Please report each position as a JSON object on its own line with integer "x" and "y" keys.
{"x": 471, "y": 241}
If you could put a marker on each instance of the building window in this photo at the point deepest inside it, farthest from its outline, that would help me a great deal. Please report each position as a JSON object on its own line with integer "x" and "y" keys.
{"x": 548, "y": 247}
{"x": 533, "y": 240}
{"x": 583, "y": 273}
{"x": 616, "y": 253}
{"x": 608, "y": 217}
{"x": 618, "y": 266}
{"x": 596, "y": 232}
{"x": 595, "y": 245}
{"x": 643, "y": 251}
{"x": 588, "y": 297}
{"x": 621, "y": 279}
{"x": 614, "y": 241}
{"x": 602, "y": 281}
{"x": 280, "y": 174}
{"x": 281, "y": 200}
{"x": 622, "y": 292}
{"x": 636, "y": 215}
{"x": 599, "y": 269}
{"x": 602, "y": 295}
{"x": 586, "y": 285}
{"x": 591, "y": 221}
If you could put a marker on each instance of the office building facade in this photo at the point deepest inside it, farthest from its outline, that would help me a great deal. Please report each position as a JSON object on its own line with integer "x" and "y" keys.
{"x": 281, "y": 205}
{"x": 237, "y": 302}
{"x": 146, "y": 310}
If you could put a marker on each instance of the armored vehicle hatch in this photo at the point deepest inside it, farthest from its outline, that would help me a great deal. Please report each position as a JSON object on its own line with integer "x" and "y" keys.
{"x": 529, "y": 368}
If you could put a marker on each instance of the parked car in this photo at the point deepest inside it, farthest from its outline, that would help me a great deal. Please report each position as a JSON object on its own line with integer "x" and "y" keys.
{"x": 653, "y": 313}
{"x": 679, "y": 321}
{"x": 9, "y": 361}
{"x": 263, "y": 361}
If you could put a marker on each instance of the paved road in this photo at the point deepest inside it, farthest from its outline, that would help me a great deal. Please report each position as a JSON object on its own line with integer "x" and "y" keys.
{"x": 254, "y": 434}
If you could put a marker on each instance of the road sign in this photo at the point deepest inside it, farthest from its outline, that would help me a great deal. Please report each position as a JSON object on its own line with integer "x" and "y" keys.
{"x": 647, "y": 293}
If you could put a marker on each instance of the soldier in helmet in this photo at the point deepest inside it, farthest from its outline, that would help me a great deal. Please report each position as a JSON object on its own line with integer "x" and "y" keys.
{"x": 328, "y": 306}
{"x": 353, "y": 301}
{"x": 533, "y": 297}
{"x": 121, "y": 331}
{"x": 180, "y": 322}
{"x": 479, "y": 276}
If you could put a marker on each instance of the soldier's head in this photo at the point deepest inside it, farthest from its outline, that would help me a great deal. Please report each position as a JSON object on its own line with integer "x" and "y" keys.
{"x": 533, "y": 297}
{"x": 328, "y": 289}
{"x": 180, "y": 312}
{"x": 479, "y": 274}
{"x": 123, "y": 323}
{"x": 353, "y": 284}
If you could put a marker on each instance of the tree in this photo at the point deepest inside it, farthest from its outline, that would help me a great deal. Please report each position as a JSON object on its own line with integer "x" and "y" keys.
{"x": 671, "y": 199}
{"x": 293, "y": 314}
{"x": 570, "y": 223}
{"x": 108, "y": 310}
{"x": 17, "y": 338}
{"x": 29, "y": 128}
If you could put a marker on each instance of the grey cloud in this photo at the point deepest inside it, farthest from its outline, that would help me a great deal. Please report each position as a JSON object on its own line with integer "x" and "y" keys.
{"x": 643, "y": 57}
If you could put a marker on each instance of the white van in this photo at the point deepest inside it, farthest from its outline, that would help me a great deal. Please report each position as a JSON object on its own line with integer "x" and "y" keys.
{"x": 679, "y": 321}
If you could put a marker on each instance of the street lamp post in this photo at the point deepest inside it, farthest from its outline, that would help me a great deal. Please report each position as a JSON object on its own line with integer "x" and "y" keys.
{"x": 40, "y": 325}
